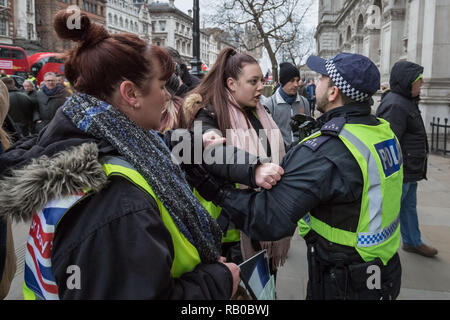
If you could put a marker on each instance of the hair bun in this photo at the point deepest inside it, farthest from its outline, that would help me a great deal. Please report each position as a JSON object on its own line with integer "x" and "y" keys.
{"x": 77, "y": 26}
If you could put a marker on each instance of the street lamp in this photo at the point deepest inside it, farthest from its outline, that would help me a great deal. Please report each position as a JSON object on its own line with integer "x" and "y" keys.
{"x": 196, "y": 64}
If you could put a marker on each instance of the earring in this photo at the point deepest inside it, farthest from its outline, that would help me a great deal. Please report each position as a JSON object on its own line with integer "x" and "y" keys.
{"x": 136, "y": 105}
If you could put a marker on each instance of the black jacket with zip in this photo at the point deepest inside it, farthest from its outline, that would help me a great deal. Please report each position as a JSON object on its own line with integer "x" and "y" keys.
{"x": 327, "y": 182}
{"x": 402, "y": 111}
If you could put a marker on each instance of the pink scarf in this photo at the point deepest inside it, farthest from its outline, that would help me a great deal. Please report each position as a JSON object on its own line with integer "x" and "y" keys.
{"x": 243, "y": 136}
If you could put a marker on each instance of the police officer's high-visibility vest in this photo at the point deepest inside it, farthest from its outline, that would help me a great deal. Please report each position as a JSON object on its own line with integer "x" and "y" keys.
{"x": 379, "y": 156}
{"x": 232, "y": 234}
{"x": 39, "y": 280}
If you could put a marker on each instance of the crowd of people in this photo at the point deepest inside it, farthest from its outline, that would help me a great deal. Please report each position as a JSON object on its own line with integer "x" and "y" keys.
{"x": 33, "y": 107}
{"x": 104, "y": 194}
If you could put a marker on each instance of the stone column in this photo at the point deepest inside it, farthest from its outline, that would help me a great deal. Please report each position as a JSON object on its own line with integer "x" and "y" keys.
{"x": 371, "y": 45}
{"x": 357, "y": 44}
{"x": 435, "y": 92}
{"x": 415, "y": 30}
{"x": 391, "y": 39}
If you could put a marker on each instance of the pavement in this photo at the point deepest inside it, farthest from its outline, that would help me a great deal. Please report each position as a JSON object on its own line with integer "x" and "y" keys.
{"x": 422, "y": 278}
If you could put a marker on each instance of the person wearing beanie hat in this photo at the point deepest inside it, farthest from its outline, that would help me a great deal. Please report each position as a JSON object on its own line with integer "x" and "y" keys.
{"x": 287, "y": 72}
{"x": 286, "y": 102}
{"x": 342, "y": 184}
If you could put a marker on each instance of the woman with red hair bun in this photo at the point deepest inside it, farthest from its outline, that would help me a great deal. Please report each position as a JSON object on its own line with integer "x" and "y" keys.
{"x": 112, "y": 216}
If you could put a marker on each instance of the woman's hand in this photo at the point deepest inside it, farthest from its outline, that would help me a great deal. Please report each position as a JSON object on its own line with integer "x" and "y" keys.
{"x": 235, "y": 272}
{"x": 267, "y": 175}
{"x": 211, "y": 138}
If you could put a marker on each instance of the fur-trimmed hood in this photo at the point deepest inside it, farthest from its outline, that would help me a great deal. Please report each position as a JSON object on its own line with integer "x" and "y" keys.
{"x": 29, "y": 188}
{"x": 191, "y": 106}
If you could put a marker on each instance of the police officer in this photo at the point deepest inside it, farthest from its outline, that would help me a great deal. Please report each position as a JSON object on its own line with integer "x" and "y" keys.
{"x": 344, "y": 182}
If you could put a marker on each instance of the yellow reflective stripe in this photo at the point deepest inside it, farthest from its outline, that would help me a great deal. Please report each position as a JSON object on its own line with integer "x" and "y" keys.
{"x": 186, "y": 256}
{"x": 339, "y": 236}
{"x": 28, "y": 294}
{"x": 233, "y": 235}
{"x": 303, "y": 227}
{"x": 212, "y": 209}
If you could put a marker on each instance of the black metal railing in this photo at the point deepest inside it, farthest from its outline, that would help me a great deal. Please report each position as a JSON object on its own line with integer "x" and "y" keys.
{"x": 439, "y": 133}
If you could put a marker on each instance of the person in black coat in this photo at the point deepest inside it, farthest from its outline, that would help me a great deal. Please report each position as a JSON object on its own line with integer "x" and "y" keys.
{"x": 51, "y": 96}
{"x": 399, "y": 106}
{"x": 21, "y": 109}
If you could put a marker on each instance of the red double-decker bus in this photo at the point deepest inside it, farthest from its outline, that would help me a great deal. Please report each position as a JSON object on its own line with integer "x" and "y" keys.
{"x": 13, "y": 60}
{"x": 43, "y": 62}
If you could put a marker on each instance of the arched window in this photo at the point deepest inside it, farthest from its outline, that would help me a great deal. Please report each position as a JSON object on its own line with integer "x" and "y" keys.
{"x": 349, "y": 33}
{"x": 341, "y": 41}
{"x": 360, "y": 24}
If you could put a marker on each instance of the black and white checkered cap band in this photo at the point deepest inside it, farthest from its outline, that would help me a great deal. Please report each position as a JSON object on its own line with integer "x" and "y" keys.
{"x": 343, "y": 85}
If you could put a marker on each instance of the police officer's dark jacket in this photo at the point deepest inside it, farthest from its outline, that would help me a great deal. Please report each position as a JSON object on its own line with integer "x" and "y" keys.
{"x": 116, "y": 236}
{"x": 402, "y": 111}
{"x": 325, "y": 181}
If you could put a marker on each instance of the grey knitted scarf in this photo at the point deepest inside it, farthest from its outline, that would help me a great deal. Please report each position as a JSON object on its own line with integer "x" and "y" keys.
{"x": 149, "y": 155}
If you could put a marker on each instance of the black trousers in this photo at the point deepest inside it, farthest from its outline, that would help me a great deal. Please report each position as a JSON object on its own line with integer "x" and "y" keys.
{"x": 333, "y": 277}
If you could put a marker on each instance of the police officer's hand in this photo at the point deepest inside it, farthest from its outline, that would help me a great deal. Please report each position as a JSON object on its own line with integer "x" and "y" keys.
{"x": 235, "y": 272}
{"x": 267, "y": 175}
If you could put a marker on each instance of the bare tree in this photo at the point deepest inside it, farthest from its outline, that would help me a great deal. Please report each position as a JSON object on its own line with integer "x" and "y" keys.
{"x": 277, "y": 24}
{"x": 301, "y": 47}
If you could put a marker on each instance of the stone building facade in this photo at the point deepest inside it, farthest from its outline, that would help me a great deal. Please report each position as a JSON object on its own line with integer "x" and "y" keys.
{"x": 387, "y": 31}
{"x": 6, "y": 21}
{"x": 24, "y": 22}
{"x": 126, "y": 16}
{"x": 46, "y": 10}
{"x": 171, "y": 27}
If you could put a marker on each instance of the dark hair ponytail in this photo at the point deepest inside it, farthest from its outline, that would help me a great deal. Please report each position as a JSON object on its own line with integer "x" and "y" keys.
{"x": 213, "y": 88}
{"x": 101, "y": 61}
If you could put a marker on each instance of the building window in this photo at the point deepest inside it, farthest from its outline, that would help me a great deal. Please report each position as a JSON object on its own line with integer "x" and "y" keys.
{"x": 3, "y": 27}
{"x": 29, "y": 6}
{"x": 30, "y": 31}
{"x": 162, "y": 25}
{"x": 3, "y": 3}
